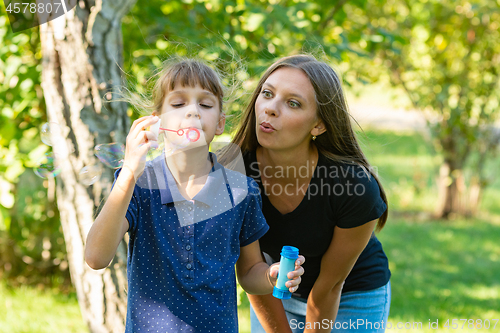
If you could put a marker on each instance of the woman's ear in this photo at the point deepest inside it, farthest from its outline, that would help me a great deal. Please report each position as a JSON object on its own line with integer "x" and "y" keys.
{"x": 318, "y": 129}
{"x": 221, "y": 124}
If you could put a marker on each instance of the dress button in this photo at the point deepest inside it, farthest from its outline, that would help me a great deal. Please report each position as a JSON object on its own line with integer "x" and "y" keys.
{"x": 188, "y": 247}
{"x": 190, "y": 208}
{"x": 188, "y": 266}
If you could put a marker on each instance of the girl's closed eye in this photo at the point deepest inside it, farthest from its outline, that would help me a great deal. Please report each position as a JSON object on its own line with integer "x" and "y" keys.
{"x": 206, "y": 105}
{"x": 177, "y": 103}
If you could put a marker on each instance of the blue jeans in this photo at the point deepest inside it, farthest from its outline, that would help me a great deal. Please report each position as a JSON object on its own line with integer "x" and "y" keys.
{"x": 359, "y": 311}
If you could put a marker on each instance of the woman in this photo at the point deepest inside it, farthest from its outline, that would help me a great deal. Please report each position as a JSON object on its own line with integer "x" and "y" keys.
{"x": 298, "y": 144}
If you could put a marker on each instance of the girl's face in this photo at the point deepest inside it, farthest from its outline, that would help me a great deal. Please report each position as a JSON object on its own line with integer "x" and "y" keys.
{"x": 286, "y": 110}
{"x": 191, "y": 108}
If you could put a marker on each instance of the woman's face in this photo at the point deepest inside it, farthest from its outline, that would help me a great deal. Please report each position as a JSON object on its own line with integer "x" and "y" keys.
{"x": 286, "y": 110}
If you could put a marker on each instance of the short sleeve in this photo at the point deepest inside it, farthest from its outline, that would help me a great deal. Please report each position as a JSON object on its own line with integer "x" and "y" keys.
{"x": 132, "y": 210}
{"x": 360, "y": 201}
{"x": 254, "y": 223}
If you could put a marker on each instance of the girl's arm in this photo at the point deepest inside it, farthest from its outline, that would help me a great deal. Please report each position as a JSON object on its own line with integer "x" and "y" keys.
{"x": 256, "y": 277}
{"x": 111, "y": 225}
{"x": 336, "y": 264}
{"x": 270, "y": 312}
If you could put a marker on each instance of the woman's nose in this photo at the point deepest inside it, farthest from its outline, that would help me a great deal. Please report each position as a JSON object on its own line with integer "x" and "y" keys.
{"x": 271, "y": 109}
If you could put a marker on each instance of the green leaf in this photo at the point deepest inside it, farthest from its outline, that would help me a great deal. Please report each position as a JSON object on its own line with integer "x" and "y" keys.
{"x": 253, "y": 21}
{"x": 14, "y": 171}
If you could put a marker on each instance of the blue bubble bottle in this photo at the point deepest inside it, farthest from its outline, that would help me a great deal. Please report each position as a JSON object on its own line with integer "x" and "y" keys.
{"x": 289, "y": 255}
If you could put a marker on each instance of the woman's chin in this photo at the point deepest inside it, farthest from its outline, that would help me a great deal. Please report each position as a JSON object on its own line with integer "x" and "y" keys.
{"x": 269, "y": 143}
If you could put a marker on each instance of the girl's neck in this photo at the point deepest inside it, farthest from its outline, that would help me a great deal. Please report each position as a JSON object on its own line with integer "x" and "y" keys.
{"x": 189, "y": 164}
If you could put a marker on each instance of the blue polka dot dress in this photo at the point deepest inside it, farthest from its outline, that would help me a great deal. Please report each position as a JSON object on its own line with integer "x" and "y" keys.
{"x": 181, "y": 256}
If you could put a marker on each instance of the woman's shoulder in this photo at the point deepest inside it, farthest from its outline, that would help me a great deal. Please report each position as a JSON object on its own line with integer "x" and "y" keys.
{"x": 343, "y": 171}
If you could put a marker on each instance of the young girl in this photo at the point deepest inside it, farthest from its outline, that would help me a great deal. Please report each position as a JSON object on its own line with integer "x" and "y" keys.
{"x": 181, "y": 257}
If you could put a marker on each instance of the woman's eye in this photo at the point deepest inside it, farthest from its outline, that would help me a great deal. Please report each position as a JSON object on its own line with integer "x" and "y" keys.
{"x": 294, "y": 104}
{"x": 267, "y": 93}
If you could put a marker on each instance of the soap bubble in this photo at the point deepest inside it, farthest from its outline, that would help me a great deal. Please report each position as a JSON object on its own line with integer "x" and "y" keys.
{"x": 155, "y": 152}
{"x": 111, "y": 154}
{"x": 88, "y": 175}
{"x": 193, "y": 134}
{"x": 47, "y": 167}
{"x": 46, "y": 131}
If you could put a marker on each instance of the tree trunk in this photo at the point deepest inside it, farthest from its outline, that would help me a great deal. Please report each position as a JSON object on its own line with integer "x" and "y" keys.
{"x": 476, "y": 187}
{"x": 450, "y": 191}
{"x": 454, "y": 197}
{"x": 82, "y": 52}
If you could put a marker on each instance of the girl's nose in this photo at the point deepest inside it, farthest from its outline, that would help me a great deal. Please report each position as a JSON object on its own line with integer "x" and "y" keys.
{"x": 192, "y": 112}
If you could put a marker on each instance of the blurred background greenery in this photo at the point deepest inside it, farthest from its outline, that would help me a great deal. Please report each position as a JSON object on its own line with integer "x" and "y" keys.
{"x": 439, "y": 58}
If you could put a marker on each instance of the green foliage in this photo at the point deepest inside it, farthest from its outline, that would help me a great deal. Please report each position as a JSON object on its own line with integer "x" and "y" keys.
{"x": 257, "y": 32}
{"x": 21, "y": 101}
{"x": 31, "y": 241}
{"x": 447, "y": 59}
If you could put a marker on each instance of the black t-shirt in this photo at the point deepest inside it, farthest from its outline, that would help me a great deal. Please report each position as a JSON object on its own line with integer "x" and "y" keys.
{"x": 338, "y": 195}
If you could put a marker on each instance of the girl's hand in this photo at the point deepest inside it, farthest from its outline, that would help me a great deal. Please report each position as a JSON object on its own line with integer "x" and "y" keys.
{"x": 138, "y": 144}
{"x": 294, "y": 276}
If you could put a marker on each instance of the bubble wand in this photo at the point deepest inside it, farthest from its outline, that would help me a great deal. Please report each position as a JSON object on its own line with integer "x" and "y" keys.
{"x": 192, "y": 134}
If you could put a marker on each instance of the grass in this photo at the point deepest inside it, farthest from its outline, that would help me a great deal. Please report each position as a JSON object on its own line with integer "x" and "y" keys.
{"x": 440, "y": 270}
{"x": 31, "y": 310}
{"x": 406, "y": 166}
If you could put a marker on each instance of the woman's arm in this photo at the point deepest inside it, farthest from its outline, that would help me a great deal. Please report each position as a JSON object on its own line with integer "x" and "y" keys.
{"x": 336, "y": 264}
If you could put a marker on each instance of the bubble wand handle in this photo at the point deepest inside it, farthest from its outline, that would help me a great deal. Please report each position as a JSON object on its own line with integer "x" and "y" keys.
{"x": 179, "y": 132}
{"x": 289, "y": 255}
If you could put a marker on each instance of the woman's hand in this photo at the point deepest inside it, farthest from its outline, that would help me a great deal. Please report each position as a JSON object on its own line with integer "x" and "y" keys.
{"x": 294, "y": 276}
{"x": 138, "y": 144}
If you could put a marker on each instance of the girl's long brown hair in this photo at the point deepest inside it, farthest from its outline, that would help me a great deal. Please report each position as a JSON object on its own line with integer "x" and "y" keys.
{"x": 339, "y": 142}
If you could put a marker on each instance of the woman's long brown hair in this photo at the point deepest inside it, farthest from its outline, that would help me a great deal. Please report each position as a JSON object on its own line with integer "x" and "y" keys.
{"x": 339, "y": 142}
